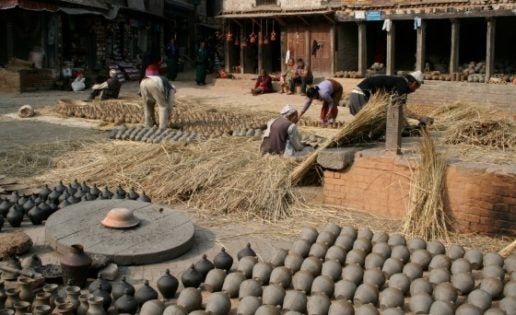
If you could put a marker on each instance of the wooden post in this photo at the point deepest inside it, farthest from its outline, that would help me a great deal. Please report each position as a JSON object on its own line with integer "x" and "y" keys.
{"x": 490, "y": 48}
{"x": 260, "y": 56}
{"x": 421, "y": 47}
{"x": 308, "y": 53}
{"x": 332, "y": 50}
{"x": 284, "y": 48}
{"x": 227, "y": 58}
{"x": 362, "y": 49}
{"x": 391, "y": 43}
{"x": 394, "y": 125}
{"x": 454, "y": 52}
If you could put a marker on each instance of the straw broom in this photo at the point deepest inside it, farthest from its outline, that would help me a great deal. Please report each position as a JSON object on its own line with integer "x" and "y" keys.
{"x": 368, "y": 125}
{"x": 426, "y": 217}
{"x": 508, "y": 250}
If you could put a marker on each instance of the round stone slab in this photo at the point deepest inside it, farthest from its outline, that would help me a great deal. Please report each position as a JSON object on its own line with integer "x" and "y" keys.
{"x": 163, "y": 233}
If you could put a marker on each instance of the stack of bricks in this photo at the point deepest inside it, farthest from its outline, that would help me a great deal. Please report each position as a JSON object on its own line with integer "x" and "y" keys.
{"x": 480, "y": 200}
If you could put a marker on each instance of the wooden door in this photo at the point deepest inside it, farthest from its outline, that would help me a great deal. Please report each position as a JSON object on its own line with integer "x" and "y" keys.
{"x": 296, "y": 42}
{"x": 322, "y": 60}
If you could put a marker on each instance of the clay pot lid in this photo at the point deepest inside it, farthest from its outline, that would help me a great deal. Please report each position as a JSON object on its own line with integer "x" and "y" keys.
{"x": 120, "y": 218}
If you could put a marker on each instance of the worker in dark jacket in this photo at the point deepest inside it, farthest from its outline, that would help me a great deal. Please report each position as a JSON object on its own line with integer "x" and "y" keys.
{"x": 394, "y": 85}
{"x": 108, "y": 89}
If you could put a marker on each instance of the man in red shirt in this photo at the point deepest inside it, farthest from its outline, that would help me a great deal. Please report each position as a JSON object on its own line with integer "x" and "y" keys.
{"x": 263, "y": 84}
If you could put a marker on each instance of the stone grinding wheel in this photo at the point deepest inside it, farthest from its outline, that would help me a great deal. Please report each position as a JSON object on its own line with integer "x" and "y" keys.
{"x": 26, "y": 111}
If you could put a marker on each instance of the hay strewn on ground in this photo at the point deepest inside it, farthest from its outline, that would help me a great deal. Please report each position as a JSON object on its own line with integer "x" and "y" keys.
{"x": 426, "y": 217}
{"x": 494, "y": 134}
{"x": 225, "y": 175}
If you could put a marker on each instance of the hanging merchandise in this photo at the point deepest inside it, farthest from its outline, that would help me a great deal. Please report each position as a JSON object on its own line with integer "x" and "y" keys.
{"x": 266, "y": 37}
{"x": 252, "y": 36}
{"x": 229, "y": 35}
{"x": 273, "y": 33}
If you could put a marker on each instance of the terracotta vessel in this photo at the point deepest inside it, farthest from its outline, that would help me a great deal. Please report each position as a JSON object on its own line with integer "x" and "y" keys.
{"x": 167, "y": 285}
{"x": 95, "y": 306}
{"x": 75, "y": 264}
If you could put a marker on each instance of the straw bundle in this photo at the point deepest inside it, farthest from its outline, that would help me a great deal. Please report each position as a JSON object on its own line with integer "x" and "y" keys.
{"x": 368, "y": 125}
{"x": 497, "y": 134}
{"x": 226, "y": 175}
{"x": 426, "y": 216}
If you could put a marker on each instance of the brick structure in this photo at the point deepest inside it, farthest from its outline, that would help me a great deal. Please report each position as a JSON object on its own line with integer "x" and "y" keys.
{"x": 481, "y": 199}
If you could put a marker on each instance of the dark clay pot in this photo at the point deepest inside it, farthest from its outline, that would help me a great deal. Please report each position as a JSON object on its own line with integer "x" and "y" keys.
{"x": 14, "y": 216}
{"x": 191, "y": 277}
{"x": 100, "y": 284}
{"x": 4, "y": 207}
{"x": 36, "y": 215}
{"x": 75, "y": 264}
{"x": 223, "y": 260}
{"x": 167, "y": 285}
{"x": 132, "y": 195}
{"x": 246, "y": 251}
{"x": 120, "y": 288}
{"x": 144, "y": 198}
{"x": 203, "y": 266}
{"x": 106, "y": 297}
{"x": 126, "y": 304}
{"x": 145, "y": 293}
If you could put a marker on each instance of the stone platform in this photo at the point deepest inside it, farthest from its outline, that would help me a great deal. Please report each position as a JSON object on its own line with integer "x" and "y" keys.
{"x": 163, "y": 233}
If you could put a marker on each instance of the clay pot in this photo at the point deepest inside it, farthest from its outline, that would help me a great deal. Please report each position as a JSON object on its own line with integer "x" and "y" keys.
{"x": 145, "y": 293}
{"x": 420, "y": 285}
{"x": 25, "y": 287}
{"x": 120, "y": 288}
{"x": 344, "y": 289}
{"x": 132, "y": 195}
{"x": 463, "y": 282}
{"x": 467, "y": 309}
{"x": 218, "y": 304}
{"x": 273, "y": 294}
{"x": 278, "y": 257}
{"x": 232, "y": 283}
{"x": 455, "y": 252}
{"x": 396, "y": 239}
{"x": 332, "y": 268}
{"x": 126, "y": 304}
{"x": 250, "y": 287}
{"x": 391, "y": 297}
{"x": 309, "y": 234}
{"x": 392, "y": 266}
{"x": 72, "y": 296}
{"x": 51, "y": 288}
{"x": 326, "y": 237}
{"x": 301, "y": 247}
{"x": 508, "y": 304}
{"x": 413, "y": 271}
{"x": 318, "y": 250}
{"x": 510, "y": 289}
{"x": 248, "y": 305}
{"x": 355, "y": 256}
{"x": 21, "y": 307}
{"x": 42, "y": 310}
{"x": 295, "y": 301}
{"x": 493, "y": 271}
{"x": 510, "y": 264}
{"x": 267, "y": 310}
{"x": 367, "y": 309}
{"x": 75, "y": 265}
{"x": 400, "y": 252}
{"x": 318, "y": 304}
{"x": 15, "y": 216}
{"x": 106, "y": 297}
{"x": 191, "y": 277}
{"x": 262, "y": 272}
{"x": 95, "y": 306}
{"x": 480, "y": 299}
{"x": 83, "y": 306}
{"x": 494, "y": 311}
{"x": 281, "y": 276}
{"x": 246, "y": 264}
{"x": 366, "y": 293}
{"x": 293, "y": 262}
{"x": 3, "y": 297}
{"x": 12, "y": 297}
{"x": 312, "y": 264}
{"x": 214, "y": 280}
{"x": 100, "y": 284}
{"x": 415, "y": 244}
{"x": 493, "y": 286}
{"x": 175, "y": 310}
{"x": 323, "y": 284}
{"x": 345, "y": 242}
{"x": 167, "y": 285}
{"x": 382, "y": 249}
{"x": 246, "y": 251}
{"x": 441, "y": 308}
{"x": 420, "y": 303}
{"x": 439, "y": 275}
{"x": 460, "y": 265}
{"x": 353, "y": 273}
{"x": 5, "y": 205}
{"x": 223, "y": 260}
{"x": 363, "y": 244}
{"x": 152, "y": 307}
{"x": 493, "y": 259}
{"x": 445, "y": 292}
{"x": 203, "y": 266}
{"x": 474, "y": 257}
{"x": 399, "y": 281}
{"x": 190, "y": 299}
{"x": 332, "y": 228}
{"x": 421, "y": 257}
{"x": 374, "y": 277}
{"x": 144, "y": 198}
{"x": 341, "y": 307}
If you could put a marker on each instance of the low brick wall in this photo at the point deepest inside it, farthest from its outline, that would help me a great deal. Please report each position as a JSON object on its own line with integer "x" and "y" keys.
{"x": 480, "y": 199}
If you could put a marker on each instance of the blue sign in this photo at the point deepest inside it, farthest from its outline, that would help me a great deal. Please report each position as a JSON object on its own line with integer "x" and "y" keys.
{"x": 373, "y": 15}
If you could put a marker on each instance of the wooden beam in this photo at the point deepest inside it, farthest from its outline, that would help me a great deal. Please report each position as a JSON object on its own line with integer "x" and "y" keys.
{"x": 332, "y": 21}
{"x": 303, "y": 20}
{"x": 280, "y": 21}
{"x": 490, "y": 48}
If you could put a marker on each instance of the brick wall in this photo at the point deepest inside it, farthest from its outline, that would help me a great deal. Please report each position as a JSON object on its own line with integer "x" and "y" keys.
{"x": 480, "y": 199}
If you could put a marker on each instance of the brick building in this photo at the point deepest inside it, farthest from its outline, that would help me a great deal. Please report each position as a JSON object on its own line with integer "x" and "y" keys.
{"x": 429, "y": 35}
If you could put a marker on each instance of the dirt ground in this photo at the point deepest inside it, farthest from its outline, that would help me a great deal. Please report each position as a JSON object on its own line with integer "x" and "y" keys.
{"x": 26, "y": 149}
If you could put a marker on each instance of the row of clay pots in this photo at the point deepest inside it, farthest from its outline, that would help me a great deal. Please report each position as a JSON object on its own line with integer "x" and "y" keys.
{"x": 39, "y": 206}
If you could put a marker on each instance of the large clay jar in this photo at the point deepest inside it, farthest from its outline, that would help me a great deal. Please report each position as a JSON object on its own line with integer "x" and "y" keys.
{"x": 72, "y": 295}
{"x": 203, "y": 266}
{"x": 167, "y": 285}
{"x": 145, "y": 293}
{"x": 95, "y": 306}
{"x": 126, "y": 304}
{"x": 191, "y": 277}
{"x": 36, "y": 215}
{"x": 223, "y": 260}
{"x": 14, "y": 217}
{"x": 83, "y": 306}
{"x": 25, "y": 287}
{"x": 75, "y": 264}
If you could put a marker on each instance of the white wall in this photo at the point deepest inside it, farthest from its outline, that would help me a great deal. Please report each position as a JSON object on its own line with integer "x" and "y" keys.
{"x": 245, "y": 5}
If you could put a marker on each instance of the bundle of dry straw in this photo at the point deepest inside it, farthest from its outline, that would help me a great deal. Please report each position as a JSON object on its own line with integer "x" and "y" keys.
{"x": 368, "y": 125}
{"x": 226, "y": 175}
{"x": 496, "y": 134}
{"x": 426, "y": 217}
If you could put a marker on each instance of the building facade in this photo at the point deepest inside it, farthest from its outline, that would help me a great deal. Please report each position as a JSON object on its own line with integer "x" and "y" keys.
{"x": 449, "y": 37}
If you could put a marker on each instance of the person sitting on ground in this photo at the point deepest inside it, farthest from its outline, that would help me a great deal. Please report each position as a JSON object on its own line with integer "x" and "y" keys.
{"x": 282, "y": 136}
{"x": 394, "y": 85}
{"x": 287, "y": 76}
{"x": 263, "y": 83}
{"x": 108, "y": 89}
{"x": 302, "y": 75}
{"x": 329, "y": 92}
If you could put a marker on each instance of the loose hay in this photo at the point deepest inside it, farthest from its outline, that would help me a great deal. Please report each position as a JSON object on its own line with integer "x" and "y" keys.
{"x": 426, "y": 216}
{"x": 496, "y": 134}
{"x": 226, "y": 175}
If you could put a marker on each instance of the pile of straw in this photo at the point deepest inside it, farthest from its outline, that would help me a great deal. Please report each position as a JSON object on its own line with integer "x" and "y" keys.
{"x": 369, "y": 125}
{"x": 496, "y": 134}
{"x": 226, "y": 175}
{"x": 426, "y": 217}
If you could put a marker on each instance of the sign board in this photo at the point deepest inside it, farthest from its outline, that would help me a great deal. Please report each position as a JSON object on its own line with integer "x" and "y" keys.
{"x": 360, "y": 15}
{"x": 373, "y": 15}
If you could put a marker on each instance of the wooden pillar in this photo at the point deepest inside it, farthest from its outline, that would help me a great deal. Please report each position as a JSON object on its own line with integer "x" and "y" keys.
{"x": 227, "y": 57}
{"x": 260, "y": 56}
{"x": 308, "y": 45}
{"x": 362, "y": 49}
{"x": 284, "y": 48}
{"x": 454, "y": 52}
{"x": 421, "y": 47}
{"x": 394, "y": 126}
{"x": 332, "y": 50}
{"x": 490, "y": 48}
{"x": 391, "y": 43}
